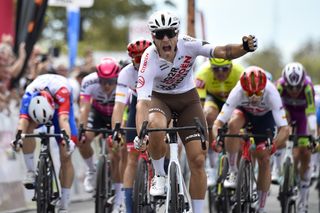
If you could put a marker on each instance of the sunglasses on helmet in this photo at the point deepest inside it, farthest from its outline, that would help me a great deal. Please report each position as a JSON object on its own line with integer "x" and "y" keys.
{"x": 170, "y": 33}
{"x": 220, "y": 68}
{"x": 109, "y": 81}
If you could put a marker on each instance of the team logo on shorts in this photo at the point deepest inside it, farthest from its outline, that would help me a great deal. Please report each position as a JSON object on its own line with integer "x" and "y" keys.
{"x": 141, "y": 82}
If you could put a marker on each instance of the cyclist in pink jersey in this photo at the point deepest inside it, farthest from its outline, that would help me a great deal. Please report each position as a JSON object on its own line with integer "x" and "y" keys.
{"x": 297, "y": 93}
{"x": 256, "y": 100}
{"x": 166, "y": 86}
{"x": 97, "y": 98}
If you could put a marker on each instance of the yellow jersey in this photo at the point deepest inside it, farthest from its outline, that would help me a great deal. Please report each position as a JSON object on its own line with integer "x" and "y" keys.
{"x": 207, "y": 83}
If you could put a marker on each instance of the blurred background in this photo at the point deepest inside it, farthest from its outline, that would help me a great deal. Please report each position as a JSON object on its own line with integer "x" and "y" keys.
{"x": 69, "y": 37}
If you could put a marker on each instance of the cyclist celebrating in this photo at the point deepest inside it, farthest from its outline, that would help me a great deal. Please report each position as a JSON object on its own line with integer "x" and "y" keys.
{"x": 127, "y": 85}
{"x": 97, "y": 98}
{"x": 49, "y": 99}
{"x": 214, "y": 81}
{"x": 297, "y": 93}
{"x": 256, "y": 100}
{"x": 166, "y": 86}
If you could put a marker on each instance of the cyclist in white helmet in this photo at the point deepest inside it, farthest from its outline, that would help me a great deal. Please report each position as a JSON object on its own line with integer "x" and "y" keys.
{"x": 297, "y": 94}
{"x": 49, "y": 99}
{"x": 166, "y": 85}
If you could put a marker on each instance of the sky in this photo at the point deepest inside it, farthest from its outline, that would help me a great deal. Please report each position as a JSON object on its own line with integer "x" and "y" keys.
{"x": 286, "y": 23}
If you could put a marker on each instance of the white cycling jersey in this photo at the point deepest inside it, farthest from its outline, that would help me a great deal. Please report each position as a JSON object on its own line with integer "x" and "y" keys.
{"x": 51, "y": 82}
{"x": 127, "y": 81}
{"x": 271, "y": 101}
{"x": 157, "y": 74}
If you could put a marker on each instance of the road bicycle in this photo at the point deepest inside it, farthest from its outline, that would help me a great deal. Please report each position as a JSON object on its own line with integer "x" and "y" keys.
{"x": 103, "y": 177}
{"x": 177, "y": 199}
{"x": 219, "y": 197}
{"x": 246, "y": 194}
{"x": 47, "y": 187}
{"x": 288, "y": 190}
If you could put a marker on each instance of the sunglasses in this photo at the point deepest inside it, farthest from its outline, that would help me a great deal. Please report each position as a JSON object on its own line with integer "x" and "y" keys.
{"x": 298, "y": 87}
{"x": 170, "y": 33}
{"x": 257, "y": 94}
{"x": 221, "y": 69}
{"x": 136, "y": 59}
{"x": 109, "y": 81}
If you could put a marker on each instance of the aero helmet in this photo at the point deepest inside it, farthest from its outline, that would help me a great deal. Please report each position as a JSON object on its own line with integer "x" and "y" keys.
{"x": 136, "y": 49}
{"x": 41, "y": 107}
{"x": 163, "y": 20}
{"x": 220, "y": 62}
{"x": 294, "y": 74}
{"x": 253, "y": 80}
{"x": 108, "y": 68}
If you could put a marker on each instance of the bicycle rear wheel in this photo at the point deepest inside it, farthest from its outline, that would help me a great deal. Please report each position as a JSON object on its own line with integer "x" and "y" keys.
{"x": 101, "y": 186}
{"x": 44, "y": 186}
{"x": 141, "y": 197}
{"x": 244, "y": 179}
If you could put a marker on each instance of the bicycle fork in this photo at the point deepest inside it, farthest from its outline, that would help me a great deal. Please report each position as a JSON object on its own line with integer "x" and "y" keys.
{"x": 182, "y": 189}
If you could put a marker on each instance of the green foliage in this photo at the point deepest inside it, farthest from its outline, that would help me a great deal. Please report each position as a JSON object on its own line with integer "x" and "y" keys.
{"x": 269, "y": 59}
{"x": 105, "y": 25}
{"x": 309, "y": 56}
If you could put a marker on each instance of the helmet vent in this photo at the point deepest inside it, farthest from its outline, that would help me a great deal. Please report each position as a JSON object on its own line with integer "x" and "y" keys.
{"x": 169, "y": 23}
{"x": 157, "y": 23}
{"x": 163, "y": 20}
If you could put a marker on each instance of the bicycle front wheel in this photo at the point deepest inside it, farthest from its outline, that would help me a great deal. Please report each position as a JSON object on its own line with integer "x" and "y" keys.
{"x": 176, "y": 201}
{"x": 141, "y": 197}
{"x": 101, "y": 186}
{"x": 44, "y": 187}
{"x": 286, "y": 188}
{"x": 243, "y": 187}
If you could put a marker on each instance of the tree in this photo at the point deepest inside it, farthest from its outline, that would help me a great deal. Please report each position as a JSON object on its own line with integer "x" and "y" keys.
{"x": 105, "y": 25}
{"x": 309, "y": 55}
{"x": 269, "y": 59}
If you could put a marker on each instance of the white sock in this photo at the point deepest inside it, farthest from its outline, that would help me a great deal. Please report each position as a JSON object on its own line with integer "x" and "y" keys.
{"x": 90, "y": 164}
{"x": 65, "y": 198}
{"x": 304, "y": 190}
{"x": 232, "y": 158}
{"x": 262, "y": 199}
{"x": 198, "y": 206}
{"x": 158, "y": 166}
{"x": 28, "y": 159}
{"x": 118, "y": 198}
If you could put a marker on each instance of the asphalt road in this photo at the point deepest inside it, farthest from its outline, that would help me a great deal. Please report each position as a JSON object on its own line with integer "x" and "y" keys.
{"x": 272, "y": 205}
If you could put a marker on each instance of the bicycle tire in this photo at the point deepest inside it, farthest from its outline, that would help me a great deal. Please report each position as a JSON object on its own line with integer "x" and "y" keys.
{"x": 287, "y": 186}
{"x": 243, "y": 184}
{"x": 141, "y": 197}
{"x": 43, "y": 187}
{"x": 101, "y": 186}
{"x": 174, "y": 198}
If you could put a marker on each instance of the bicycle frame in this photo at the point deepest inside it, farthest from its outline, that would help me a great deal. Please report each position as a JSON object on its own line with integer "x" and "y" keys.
{"x": 174, "y": 159}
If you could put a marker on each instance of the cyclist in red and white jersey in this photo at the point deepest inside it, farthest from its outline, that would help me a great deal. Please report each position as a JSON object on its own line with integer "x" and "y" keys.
{"x": 97, "y": 97}
{"x": 126, "y": 89}
{"x": 256, "y": 100}
{"x": 49, "y": 99}
{"x": 166, "y": 86}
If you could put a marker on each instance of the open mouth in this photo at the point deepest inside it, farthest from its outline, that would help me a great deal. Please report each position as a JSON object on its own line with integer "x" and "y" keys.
{"x": 166, "y": 48}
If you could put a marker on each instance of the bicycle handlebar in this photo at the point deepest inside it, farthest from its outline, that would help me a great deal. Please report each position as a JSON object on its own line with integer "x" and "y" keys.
{"x": 313, "y": 141}
{"x": 198, "y": 127}
{"x": 222, "y": 134}
{"x": 41, "y": 135}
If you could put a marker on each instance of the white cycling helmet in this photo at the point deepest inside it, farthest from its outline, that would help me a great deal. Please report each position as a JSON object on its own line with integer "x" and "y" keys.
{"x": 294, "y": 74}
{"x": 41, "y": 108}
{"x": 163, "y": 20}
